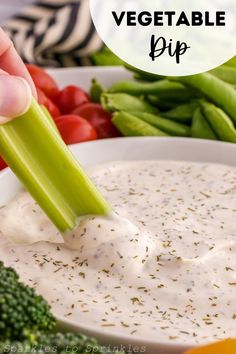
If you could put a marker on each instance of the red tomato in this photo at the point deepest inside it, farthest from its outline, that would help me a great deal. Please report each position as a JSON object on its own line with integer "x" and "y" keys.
{"x": 99, "y": 119}
{"x": 2, "y": 164}
{"x": 43, "y": 80}
{"x": 75, "y": 129}
{"x": 52, "y": 108}
{"x": 70, "y": 98}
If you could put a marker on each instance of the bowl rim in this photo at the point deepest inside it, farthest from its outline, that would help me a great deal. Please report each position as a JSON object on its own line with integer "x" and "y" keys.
{"x": 175, "y": 139}
{"x": 140, "y": 341}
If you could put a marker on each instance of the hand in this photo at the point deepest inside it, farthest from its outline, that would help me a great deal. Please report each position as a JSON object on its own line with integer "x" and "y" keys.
{"x": 16, "y": 85}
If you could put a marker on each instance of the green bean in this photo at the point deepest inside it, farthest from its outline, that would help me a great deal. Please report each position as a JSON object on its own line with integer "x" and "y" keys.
{"x": 200, "y": 127}
{"x": 164, "y": 89}
{"x": 182, "y": 113}
{"x": 218, "y": 91}
{"x": 166, "y": 125}
{"x": 130, "y": 125}
{"x": 123, "y": 102}
{"x": 225, "y": 73}
{"x": 220, "y": 122}
{"x": 96, "y": 90}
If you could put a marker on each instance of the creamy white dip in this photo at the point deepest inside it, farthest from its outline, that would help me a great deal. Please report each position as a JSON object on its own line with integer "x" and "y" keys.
{"x": 163, "y": 268}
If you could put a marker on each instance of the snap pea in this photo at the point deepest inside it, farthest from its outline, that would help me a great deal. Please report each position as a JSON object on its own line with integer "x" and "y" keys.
{"x": 143, "y": 74}
{"x": 166, "y": 125}
{"x": 162, "y": 104}
{"x": 182, "y": 113}
{"x": 106, "y": 57}
{"x": 139, "y": 77}
{"x": 200, "y": 127}
{"x": 218, "y": 91}
{"x": 123, "y": 102}
{"x": 231, "y": 62}
{"x": 143, "y": 78}
{"x": 220, "y": 122}
{"x": 164, "y": 89}
{"x": 225, "y": 73}
{"x": 130, "y": 125}
{"x": 96, "y": 90}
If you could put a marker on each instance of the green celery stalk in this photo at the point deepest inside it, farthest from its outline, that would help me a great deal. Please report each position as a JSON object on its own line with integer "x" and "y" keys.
{"x": 35, "y": 152}
{"x": 49, "y": 117}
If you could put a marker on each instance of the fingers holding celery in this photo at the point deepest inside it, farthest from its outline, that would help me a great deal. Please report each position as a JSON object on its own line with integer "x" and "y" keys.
{"x": 16, "y": 85}
{"x": 33, "y": 149}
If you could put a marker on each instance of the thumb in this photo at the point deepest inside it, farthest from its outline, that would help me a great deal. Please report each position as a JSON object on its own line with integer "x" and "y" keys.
{"x": 15, "y": 97}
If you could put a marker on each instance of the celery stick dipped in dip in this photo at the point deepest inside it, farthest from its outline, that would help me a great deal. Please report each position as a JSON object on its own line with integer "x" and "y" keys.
{"x": 163, "y": 265}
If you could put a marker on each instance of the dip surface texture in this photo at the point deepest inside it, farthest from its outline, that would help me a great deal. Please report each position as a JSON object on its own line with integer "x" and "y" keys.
{"x": 163, "y": 268}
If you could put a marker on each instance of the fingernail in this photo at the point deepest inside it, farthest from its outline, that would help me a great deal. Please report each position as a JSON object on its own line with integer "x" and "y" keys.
{"x": 15, "y": 97}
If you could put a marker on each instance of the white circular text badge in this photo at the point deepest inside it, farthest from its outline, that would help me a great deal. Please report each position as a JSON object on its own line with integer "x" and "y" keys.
{"x": 168, "y": 37}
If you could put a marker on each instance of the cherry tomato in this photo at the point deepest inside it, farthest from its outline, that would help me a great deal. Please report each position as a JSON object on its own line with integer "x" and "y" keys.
{"x": 52, "y": 108}
{"x": 2, "y": 164}
{"x": 70, "y": 98}
{"x": 43, "y": 81}
{"x": 99, "y": 119}
{"x": 75, "y": 129}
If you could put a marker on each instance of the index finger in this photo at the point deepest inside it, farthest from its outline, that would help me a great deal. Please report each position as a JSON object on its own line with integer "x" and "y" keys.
{"x": 11, "y": 62}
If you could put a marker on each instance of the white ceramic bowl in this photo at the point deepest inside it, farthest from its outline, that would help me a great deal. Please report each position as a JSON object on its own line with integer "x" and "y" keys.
{"x": 133, "y": 149}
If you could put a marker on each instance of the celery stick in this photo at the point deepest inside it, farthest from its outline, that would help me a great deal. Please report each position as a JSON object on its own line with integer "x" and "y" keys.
{"x": 49, "y": 117}
{"x": 35, "y": 152}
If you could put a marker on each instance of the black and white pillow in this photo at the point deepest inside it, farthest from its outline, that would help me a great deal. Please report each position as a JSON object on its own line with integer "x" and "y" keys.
{"x": 55, "y": 33}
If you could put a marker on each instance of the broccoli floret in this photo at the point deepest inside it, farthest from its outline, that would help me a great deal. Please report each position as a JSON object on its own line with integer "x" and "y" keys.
{"x": 56, "y": 343}
{"x": 26, "y": 322}
{"x": 22, "y": 312}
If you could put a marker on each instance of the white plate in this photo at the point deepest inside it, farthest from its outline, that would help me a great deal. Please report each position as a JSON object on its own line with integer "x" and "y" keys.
{"x": 126, "y": 149}
{"x": 83, "y": 76}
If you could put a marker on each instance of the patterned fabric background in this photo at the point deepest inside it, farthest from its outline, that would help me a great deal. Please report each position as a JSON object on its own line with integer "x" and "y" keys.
{"x": 55, "y": 33}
